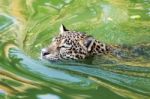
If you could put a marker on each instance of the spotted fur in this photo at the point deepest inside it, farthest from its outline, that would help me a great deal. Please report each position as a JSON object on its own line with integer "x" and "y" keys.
{"x": 73, "y": 45}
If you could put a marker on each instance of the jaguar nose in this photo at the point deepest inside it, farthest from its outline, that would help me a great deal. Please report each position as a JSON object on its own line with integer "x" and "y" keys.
{"x": 44, "y": 52}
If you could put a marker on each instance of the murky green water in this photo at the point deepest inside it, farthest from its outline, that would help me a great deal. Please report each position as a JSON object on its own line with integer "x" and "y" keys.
{"x": 28, "y": 25}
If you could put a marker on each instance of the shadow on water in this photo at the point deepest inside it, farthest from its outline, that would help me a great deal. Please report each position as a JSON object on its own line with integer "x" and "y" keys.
{"x": 27, "y": 26}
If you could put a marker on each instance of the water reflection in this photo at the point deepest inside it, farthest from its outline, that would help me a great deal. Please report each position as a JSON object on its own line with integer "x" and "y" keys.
{"x": 26, "y": 26}
{"x": 48, "y": 96}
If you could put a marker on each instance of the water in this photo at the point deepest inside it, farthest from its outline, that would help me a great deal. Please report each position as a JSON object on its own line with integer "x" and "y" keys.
{"x": 27, "y": 26}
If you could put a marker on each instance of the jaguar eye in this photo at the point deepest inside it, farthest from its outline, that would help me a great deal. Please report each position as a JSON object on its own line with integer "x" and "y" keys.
{"x": 66, "y": 46}
{"x": 61, "y": 47}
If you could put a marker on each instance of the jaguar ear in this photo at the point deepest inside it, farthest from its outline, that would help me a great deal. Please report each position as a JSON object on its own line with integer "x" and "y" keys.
{"x": 88, "y": 42}
{"x": 62, "y": 29}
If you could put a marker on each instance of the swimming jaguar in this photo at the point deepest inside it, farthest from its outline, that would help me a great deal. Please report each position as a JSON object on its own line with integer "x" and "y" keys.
{"x": 73, "y": 45}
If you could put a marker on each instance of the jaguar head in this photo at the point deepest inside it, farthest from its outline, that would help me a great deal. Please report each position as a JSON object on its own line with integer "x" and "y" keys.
{"x": 68, "y": 45}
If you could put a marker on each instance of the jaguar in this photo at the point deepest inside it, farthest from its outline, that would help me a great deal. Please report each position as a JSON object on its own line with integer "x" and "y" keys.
{"x": 74, "y": 45}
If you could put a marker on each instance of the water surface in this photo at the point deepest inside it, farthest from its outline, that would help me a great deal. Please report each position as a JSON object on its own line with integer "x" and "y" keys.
{"x": 26, "y": 26}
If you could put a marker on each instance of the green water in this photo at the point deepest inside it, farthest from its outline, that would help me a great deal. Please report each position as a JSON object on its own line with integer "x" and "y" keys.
{"x": 26, "y": 26}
